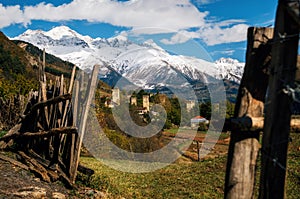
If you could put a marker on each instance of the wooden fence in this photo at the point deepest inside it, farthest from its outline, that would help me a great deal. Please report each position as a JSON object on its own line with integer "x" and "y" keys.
{"x": 270, "y": 63}
{"x": 10, "y": 111}
{"x": 49, "y": 137}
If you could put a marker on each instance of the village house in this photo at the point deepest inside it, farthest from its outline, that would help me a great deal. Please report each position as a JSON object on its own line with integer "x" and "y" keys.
{"x": 195, "y": 121}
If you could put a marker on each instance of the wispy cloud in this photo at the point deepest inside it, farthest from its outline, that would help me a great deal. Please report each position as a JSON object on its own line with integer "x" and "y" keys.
{"x": 227, "y": 52}
{"x": 143, "y": 16}
{"x": 243, "y": 48}
{"x": 230, "y": 22}
{"x": 202, "y": 2}
{"x": 212, "y": 34}
{"x": 268, "y": 23}
{"x": 180, "y": 37}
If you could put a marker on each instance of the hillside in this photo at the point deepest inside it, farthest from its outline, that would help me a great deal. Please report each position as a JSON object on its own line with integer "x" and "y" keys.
{"x": 19, "y": 68}
{"x": 19, "y": 62}
{"x": 54, "y": 65}
{"x": 17, "y": 71}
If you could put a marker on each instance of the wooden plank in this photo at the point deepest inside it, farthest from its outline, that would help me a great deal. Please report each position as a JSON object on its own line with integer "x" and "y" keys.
{"x": 74, "y": 137}
{"x": 44, "y": 98}
{"x": 256, "y": 123}
{"x": 51, "y": 132}
{"x": 44, "y": 67}
{"x": 54, "y": 112}
{"x": 64, "y": 121}
{"x": 60, "y": 105}
{"x": 67, "y": 146}
{"x": 87, "y": 171}
{"x": 72, "y": 79}
{"x": 35, "y": 167}
{"x": 14, "y": 162}
{"x": 12, "y": 131}
{"x": 55, "y": 100}
{"x": 89, "y": 96}
{"x": 279, "y": 100}
{"x": 56, "y": 139}
{"x": 75, "y": 103}
{"x": 244, "y": 145}
{"x": 40, "y": 69}
{"x": 198, "y": 150}
{"x": 45, "y": 163}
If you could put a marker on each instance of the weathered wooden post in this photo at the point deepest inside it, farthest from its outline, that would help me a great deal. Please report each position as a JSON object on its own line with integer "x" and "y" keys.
{"x": 198, "y": 150}
{"x": 83, "y": 120}
{"x": 279, "y": 100}
{"x": 244, "y": 144}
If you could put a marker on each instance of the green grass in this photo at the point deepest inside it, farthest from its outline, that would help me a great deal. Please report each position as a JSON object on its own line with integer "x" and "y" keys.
{"x": 185, "y": 180}
{"x": 2, "y": 133}
{"x": 293, "y": 168}
{"x": 223, "y": 136}
{"x": 182, "y": 180}
{"x": 173, "y": 130}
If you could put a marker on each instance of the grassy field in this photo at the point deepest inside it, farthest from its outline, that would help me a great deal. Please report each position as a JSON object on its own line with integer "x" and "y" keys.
{"x": 182, "y": 180}
{"x": 293, "y": 168}
{"x": 185, "y": 180}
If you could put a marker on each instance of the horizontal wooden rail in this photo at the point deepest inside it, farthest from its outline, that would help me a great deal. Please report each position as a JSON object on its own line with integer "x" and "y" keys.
{"x": 54, "y": 100}
{"x": 254, "y": 123}
{"x": 54, "y": 131}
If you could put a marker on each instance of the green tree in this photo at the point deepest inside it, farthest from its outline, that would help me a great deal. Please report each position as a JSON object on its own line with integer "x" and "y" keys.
{"x": 205, "y": 110}
{"x": 230, "y": 109}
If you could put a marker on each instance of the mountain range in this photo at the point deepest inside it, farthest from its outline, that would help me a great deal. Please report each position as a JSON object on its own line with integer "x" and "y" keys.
{"x": 145, "y": 64}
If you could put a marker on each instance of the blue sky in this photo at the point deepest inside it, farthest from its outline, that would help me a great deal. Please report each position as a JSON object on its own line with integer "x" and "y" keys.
{"x": 200, "y": 28}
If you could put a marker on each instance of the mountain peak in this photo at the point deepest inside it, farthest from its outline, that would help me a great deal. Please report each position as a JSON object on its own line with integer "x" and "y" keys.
{"x": 152, "y": 44}
{"x": 136, "y": 61}
{"x": 61, "y": 31}
{"x": 227, "y": 61}
{"x": 32, "y": 32}
{"x": 230, "y": 69}
{"x": 119, "y": 38}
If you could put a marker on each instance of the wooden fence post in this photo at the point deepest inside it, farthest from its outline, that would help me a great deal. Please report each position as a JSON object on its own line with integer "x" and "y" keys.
{"x": 83, "y": 119}
{"x": 244, "y": 145}
{"x": 198, "y": 151}
{"x": 279, "y": 99}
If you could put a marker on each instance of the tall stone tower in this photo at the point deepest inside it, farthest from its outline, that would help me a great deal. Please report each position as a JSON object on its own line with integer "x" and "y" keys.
{"x": 116, "y": 96}
{"x": 133, "y": 101}
{"x": 146, "y": 103}
{"x": 190, "y": 105}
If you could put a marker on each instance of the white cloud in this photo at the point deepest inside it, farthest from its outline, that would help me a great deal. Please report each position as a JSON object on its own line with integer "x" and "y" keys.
{"x": 202, "y": 2}
{"x": 143, "y": 16}
{"x": 169, "y": 14}
{"x": 176, "y": 39}
{"x": 214, "y": 35}
{"x": 180, "y": 37}
{"x": 224, "y": 52}
{"x": 230, "y": 22}
{"x": 11, "y": 15}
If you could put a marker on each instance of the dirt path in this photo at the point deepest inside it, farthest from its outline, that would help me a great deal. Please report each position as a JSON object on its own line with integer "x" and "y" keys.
{"x": 19, "y": 183}
{"x": 220, "y": 147}
{"x": 16, "y": 182}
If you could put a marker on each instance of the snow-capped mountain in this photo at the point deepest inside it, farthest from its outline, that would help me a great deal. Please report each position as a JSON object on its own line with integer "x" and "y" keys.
{"x": 145, "y": 64}
{"x": 230, "y": 69}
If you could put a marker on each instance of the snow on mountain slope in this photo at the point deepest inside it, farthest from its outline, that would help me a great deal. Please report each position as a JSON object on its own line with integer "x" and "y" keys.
{"x": 144, "y": 64}
{"x": 230, "y": 69}
{"x": 60, "y": 32}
